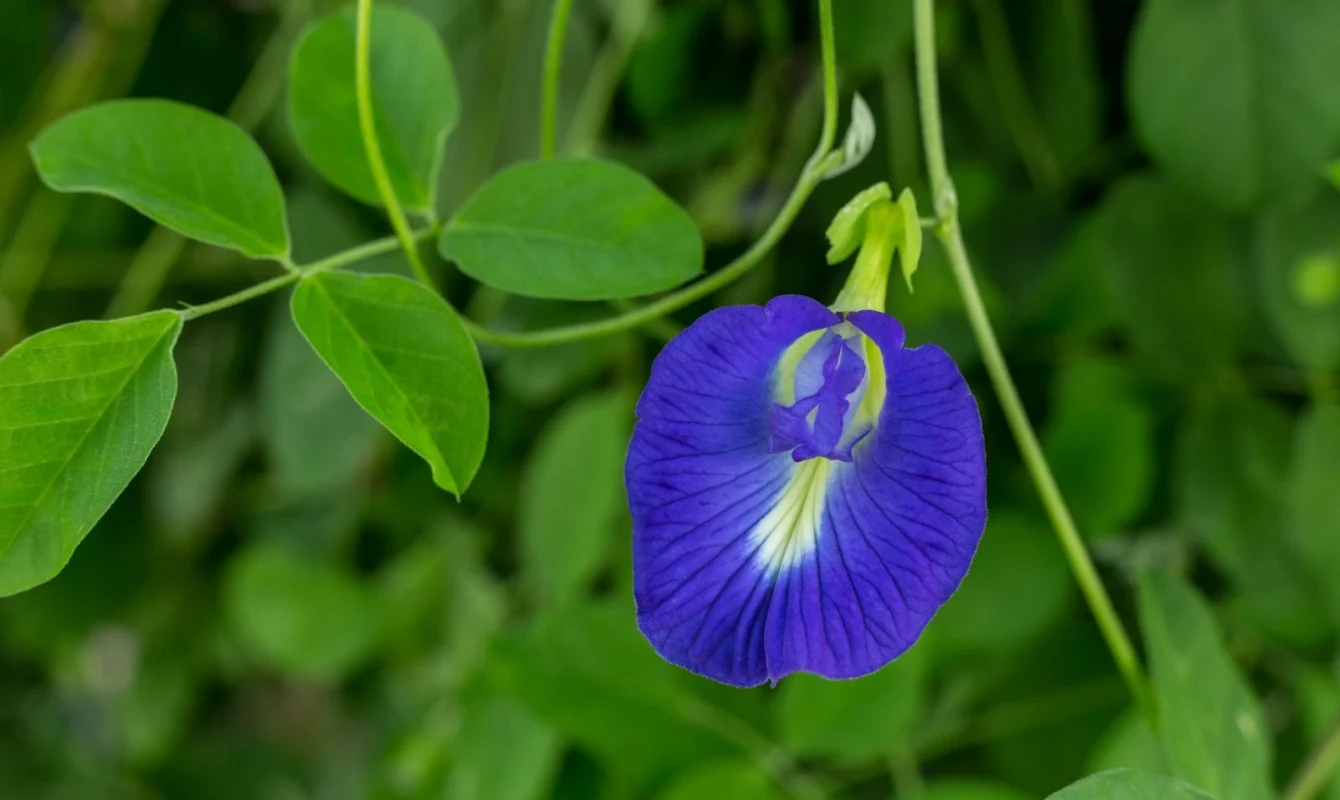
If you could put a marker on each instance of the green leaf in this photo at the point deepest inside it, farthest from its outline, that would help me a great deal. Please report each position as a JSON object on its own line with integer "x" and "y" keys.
{"x": 81, "y": 407}
{"x": 301, "y": 617}
{"x": 406, "y": 358}
{"x": 1236, "y": 98}
{"x": 505, "y": 752}
{"x": 1314, "y": 502}
{"x": 1298, "y": 264}
{"x": 1213, "y": 730}
{"x": 737, "y": 780}
{"x": 853, "y": 720}
{"x": 970, "y": 790}
{"x": 1018, "y": 588}
{"x": 572, "y": 493}
{"x": 414, "y": 97}
{"x": 588, "y": 671}
{"x": 573, "y": 229}
{"x": 1230, "y": 467}
{"x": 190, "y": 170}
{"x": 1129, "y": 784}
{"x": 1100, "y": 442}
{"x": 1161, "y": 248}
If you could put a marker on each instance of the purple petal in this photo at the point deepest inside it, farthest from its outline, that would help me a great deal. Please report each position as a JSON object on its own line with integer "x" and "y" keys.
{"x": 893, "y": 531}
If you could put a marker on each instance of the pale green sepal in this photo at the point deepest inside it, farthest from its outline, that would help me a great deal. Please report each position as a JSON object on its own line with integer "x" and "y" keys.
{"x": 848, "y": 227}
{"x": 909, "y": 250}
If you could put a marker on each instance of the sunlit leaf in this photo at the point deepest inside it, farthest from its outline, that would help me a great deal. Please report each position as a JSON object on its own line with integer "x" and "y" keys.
{"x": 1237, "y": 98}
{"x": 190, "y": 170}
{"x": 1129, "y": 784}
{"x": 414, "y": 96}
{"x": 1213, "y": 730}
{"x": 406, "y": 358}
{"x": 573, "y": 229}
{"x": 572, "y": 492}
{"x": 81, "y": 406}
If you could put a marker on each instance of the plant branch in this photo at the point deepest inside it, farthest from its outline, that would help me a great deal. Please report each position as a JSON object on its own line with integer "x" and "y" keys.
{"x": 1315, "y": 771}
{"x": 553, "y": 68}
{"x": 376, "y": 162}
{"x": 947, "y": 230}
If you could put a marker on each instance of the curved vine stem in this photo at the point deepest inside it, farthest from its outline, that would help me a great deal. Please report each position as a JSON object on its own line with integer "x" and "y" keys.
{"x": 946, "y": 228}
{"x": 376, "y": 162}
{"x": 818, "y": 165}
{"x": 553, "y": 69}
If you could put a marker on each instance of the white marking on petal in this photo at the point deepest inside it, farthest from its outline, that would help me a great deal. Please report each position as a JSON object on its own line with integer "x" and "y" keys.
{"x": 790, "y": 531}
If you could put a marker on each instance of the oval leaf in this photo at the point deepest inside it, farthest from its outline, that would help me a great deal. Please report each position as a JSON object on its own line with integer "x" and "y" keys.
{"x": 81, "y": 406}
{"x": 572, "y": 492}
{"x": 574, "y": 229}
{"x": 1213, "y": 730}
{"x": 192, "y": 171}
{"x": 414, "y": 97}
{"x": 1129, "y": 784}
{"x": 1237, "y": 98}
{"x": 406, "y": 358}
{"x": 307, "y": 619}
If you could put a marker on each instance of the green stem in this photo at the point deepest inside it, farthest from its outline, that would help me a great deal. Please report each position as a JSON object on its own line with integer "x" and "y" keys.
{"x": 344, "y": 258}
{"x": 553, "y": 68}
{"x": 1317, "y": 769}
{"x": 819, "y": 163}
{"x": 603, "y": 81}
{"x": 376, "y": 162}
{"x": 154, "y": 260}
{"x": 34, "y": 238}
{"x": 947, "y": 230}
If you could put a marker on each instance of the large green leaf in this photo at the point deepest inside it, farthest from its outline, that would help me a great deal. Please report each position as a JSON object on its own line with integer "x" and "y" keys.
{"x": 1129, "y": 784}
{"x": 1298, "y": 263}
{"x": 572, "y": 493}
{"x": 1314, "y": 498}
{"x": 190, "y": 170}
{"x": 1236, "y": 98}
{"x": 300, "y": 616}
{"x": 1160, "y": 249}
{"x": 505, "y": 752}
{"x": 415, "y": 103}
{"x": 573, "y": 229}
{"x": 81, "y": 406}
{"x": 853, "y": 720}
{"x": 406, "y": 358}
{"x": 588, "y": 671}
{"x": 737, "y": 780}
{"x": 1213, "y": 730}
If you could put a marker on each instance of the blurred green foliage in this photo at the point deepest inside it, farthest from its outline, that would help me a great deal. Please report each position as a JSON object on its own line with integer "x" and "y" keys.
{"x": 285, "y": 606}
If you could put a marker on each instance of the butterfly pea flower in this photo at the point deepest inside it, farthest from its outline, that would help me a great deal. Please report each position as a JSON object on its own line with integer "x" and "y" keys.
{"x": 806, "y": 492}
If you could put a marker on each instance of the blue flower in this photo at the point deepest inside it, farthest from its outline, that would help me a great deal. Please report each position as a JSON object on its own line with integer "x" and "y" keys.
{"x": 805, "y": 492}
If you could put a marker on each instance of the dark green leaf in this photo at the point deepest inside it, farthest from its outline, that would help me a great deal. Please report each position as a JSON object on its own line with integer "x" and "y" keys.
{"x": 190, "y": 170}
{"x": 1314, "y": 498}
{"x": 406, "y": 358}
{"x": 1236, "y": 98}
{"x": 572, "y": 492}
{"x": 81, "y": 406}
{"x": 1129, "y": 784}
{"x": 301, "y": 617}
{"x": 589, "y": 672}
{"x": 853, "y": 720}
{"x": 573, "y": 229}
{"x": 1213, "y": 730}
{"x": 414, "y": 98}
{"x": 1298, "y": 261}
{"x": 1160, "y": 249}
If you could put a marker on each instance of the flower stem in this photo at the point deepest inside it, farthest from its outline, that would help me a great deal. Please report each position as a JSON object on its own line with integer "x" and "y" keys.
{"x": 1312, "y": 776}
{"x": 376, "y": 162}
{"x": 553, "y": 68}
{"x": 947, "y": 230}
{"x": 815, "y": 169}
